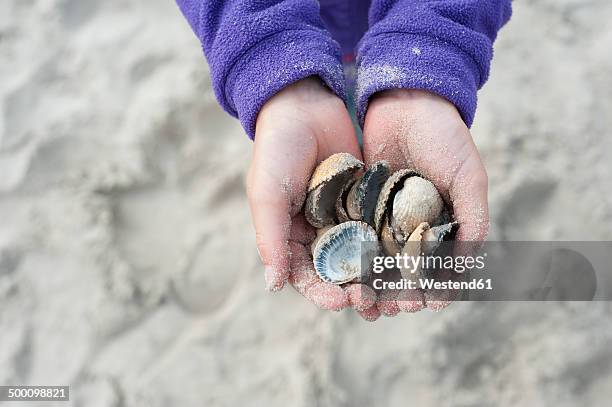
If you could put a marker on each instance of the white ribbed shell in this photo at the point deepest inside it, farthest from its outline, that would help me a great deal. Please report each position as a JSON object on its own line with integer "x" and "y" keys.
{"x": 417, "y": 202}
{"x": 338, "y": 254}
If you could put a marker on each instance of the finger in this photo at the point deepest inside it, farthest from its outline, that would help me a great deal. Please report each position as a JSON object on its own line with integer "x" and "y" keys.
{"x": 387, "y": 304}
{"x": 302, "y": 275}
{"x": 327, "y": 296}
{"x": 360, "y": 296}
{"x": 270, "y": 213}
{"x": 305, "y": 281}
{"x": 371, "y": 314}
{"x": 411, "y": 301}
{"x": 271, "y": 202}
{"x": 437, "y": 305}
{"x": 468, "y": 194}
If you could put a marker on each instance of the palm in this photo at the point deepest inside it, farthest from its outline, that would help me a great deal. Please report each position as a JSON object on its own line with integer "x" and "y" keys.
{"x": 297, "y": 129}
{"x": 415, "y": 129}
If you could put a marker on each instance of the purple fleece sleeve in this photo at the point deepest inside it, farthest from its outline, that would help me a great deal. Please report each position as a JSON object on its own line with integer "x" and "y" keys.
{"x": 443, "y": 46}
{"x": 256, "y": 47}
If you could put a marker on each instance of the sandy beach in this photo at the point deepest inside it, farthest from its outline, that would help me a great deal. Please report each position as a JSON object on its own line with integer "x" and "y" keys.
{"x": 128, "y": 267}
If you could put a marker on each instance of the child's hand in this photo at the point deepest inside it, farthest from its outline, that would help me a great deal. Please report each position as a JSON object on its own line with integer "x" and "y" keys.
{"x": 417, "y": 129}
{"x": 296, "y": 129}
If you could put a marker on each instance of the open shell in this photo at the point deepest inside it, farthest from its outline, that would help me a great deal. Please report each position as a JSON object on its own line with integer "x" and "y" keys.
{"x": 338, "y": 254}
{"x": 384, "y": 202}
{"x": 332, "y": 166}
{"x": 326, "y": 185}
{"x": 433, "y": 237}
{"x": 418, "y": 201}
{"x": 389, "y": 245}
{"x": 352, "y": 204}
{"x": 341, "y": 211}
{"x": 363, "y": 197}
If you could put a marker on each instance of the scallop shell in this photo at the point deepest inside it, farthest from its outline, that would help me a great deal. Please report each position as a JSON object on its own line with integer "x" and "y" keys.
{"x": 331, "y": 167}
{"x": 328, "y": 180}
{"x": 389, "y": 189}
{"x": 417, "y": 202}
{"x": 338, "y": 254}
{"x": 363, "y": 197}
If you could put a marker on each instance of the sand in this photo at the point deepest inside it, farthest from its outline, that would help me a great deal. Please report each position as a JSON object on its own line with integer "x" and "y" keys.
{"x": 128, "y": 268}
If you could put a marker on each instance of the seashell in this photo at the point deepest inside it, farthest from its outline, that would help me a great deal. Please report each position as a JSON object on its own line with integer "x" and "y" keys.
{"x": 341, "y": 212}
{"x": 389, "y": 189}
{"x": 433, "y": 237}
{"x": 320, "y": 233}
{"x": 418, "y": 201}
{"x": 331, "y": 167}
{"x": 353, "y": 206}
{"x": 412, "y": 248}
{"x": 389, "y": 244}
{"x": 444, "y": 218}
{"x": 328, "y": 180}
{"x": 363, "y": 197}
{"x": 338, "y": 254}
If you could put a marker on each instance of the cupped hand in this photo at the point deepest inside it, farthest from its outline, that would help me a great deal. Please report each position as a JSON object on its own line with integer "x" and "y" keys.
{"x": 296, "y": 129}
{"x": 420, "y": 130}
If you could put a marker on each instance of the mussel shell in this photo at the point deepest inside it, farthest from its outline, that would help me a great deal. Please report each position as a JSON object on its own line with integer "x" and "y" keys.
{"x": 339, "y": 254}
{"x": 331, "y": 167}
{"x": 384, "y": 204}
{"x": 416, "y": 202}
{"x": 363, "y": 197}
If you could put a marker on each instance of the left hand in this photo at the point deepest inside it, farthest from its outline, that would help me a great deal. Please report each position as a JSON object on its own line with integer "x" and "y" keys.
{"x": 417, "y": 129}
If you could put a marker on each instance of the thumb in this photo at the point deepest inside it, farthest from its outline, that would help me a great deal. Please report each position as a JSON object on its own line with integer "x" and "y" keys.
{"x": 270, "y": 207}
{"x": 275, "y": 188}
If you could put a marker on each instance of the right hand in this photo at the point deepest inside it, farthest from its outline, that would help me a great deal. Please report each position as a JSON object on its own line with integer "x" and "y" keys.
{"x": 296, "y": 129}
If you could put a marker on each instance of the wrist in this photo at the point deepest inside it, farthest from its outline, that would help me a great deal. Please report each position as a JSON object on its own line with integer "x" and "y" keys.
{"x": 299, "y": 98}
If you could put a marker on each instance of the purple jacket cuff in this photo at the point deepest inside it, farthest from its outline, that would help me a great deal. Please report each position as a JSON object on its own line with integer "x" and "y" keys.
{"x": 442, "y": 46}
{"x": 274, "y": 63}
{"x": 411, "y": 61}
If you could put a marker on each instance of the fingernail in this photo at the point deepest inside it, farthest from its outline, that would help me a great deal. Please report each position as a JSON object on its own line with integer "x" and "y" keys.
{"x": 272, "y": 281}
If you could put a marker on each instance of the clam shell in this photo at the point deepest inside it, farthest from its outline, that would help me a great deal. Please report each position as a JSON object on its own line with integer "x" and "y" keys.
{"x": 331, "y": 167}
{"x": 341, "y": 213}
{"x": 418, "y": 201}
{"x": 338, "y": 254}
{"x": 363, "y": 197}
{"x": 389, "y": 245}
{"x": 352, "y": 203}
{"x": 319, "y": 210}
{"x": 389, "y": 189}
{"x": 320, "y": 233}
{"x": 328, "y": 180}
